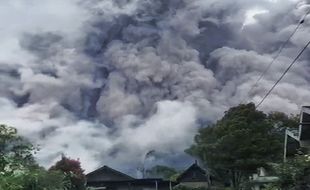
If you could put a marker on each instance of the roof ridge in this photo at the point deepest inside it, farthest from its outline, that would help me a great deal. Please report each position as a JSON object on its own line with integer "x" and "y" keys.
{"x": 195, "y": 164}
{"x": 109, "y": 168}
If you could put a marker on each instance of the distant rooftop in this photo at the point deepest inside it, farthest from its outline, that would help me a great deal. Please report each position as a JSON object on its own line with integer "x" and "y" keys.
{"x": 193, "y": 174}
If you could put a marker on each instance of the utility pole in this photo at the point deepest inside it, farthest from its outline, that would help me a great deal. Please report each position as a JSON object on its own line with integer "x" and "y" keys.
{"x": 285, "y": 146}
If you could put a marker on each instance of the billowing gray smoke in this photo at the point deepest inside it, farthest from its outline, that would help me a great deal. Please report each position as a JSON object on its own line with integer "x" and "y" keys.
{"x": 108, "y": 80}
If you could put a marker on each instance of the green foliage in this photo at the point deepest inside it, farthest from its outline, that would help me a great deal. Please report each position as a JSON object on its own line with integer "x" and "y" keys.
{"x": 242, "y": 141}
{"x": 174, "y": 177}
{"x": 41, "y": 179}
{"x": 182, "y": 187}
{"x": 15, "y": 152}
{"x": 162, "y": 171}
{"x": 72, "y": 169}
{"x": 271, "y": 187}
{"x": 294, "y": 174}
{"x": 38, "y": 179}
{"x": 18, "y": 170}
{"x": 281, "y": 121}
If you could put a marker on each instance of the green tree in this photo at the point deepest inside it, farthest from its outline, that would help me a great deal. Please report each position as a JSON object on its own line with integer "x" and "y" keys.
{"x": 239, "y": 143}
{"x": 72, "y": 169}
{"x": 162, "y": 171}
{"x": 281, "y": 121}
{"x": 18, "y": 169}
{"x": 34, "y": 179}
{"x": 294, "y": 174}
{"x": 15, "y": 151}
{"x": 182, "y": 187}
{"x": 40, "y": 179}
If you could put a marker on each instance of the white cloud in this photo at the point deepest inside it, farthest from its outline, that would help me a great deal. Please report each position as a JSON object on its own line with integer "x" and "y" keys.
{"x": 251, "y": 14}
{"x": 18, "y": 17}
{"x": 170, "y": 129}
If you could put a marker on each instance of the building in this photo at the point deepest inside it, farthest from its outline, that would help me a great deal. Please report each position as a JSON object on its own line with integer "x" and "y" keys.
{"x": 301, "y": 134}
{"x": 110, "y": 179}
{"x": 194, "y": 177}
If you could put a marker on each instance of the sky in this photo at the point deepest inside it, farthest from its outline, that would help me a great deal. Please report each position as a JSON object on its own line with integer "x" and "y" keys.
{"x": 106, "y": 81}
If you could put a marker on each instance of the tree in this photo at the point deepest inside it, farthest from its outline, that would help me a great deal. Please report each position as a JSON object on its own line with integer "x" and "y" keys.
{"x": 294, "y": 174}
{"x": 15, "y": 151}
{"x": 162, "y": 171}
{"x": 182, "y": 187}
{"x": 239, "y": 143}
{"x": 18, "y": 169}
{"x": 281, "y": 122}
{"x": 40, "y": 179}
{"x": 72, "y": 169}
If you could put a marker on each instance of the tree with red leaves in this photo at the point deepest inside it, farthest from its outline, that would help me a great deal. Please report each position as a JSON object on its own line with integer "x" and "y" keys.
{"x": 72, "y": 168}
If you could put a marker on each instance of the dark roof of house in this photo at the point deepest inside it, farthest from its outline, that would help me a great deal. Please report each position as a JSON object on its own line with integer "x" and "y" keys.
{"x": 193, "y": 174}
{"x": 305, "y": 123}
{"x": 135, "y": 182}
{"x": 140, "y": 181}
{"x": 106, "y": 173}
{"x": 106, "y": 176}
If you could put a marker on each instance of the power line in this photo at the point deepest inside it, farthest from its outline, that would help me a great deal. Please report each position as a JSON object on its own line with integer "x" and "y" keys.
{"x": 289, "y": 67}
{"x": 279, "y": 52}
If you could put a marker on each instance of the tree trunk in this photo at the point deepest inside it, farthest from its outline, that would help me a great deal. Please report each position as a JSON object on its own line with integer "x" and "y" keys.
{"x": 236, "y": 179}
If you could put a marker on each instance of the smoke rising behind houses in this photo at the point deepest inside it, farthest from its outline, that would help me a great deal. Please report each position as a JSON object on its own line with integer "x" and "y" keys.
{"x": 106, "y": 81}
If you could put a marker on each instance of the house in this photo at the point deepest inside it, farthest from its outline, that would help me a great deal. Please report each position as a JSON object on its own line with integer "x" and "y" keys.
{"x": 301, "y": 134}
{"x": 110, "y": 179}
{"x": 194, "y": 177}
